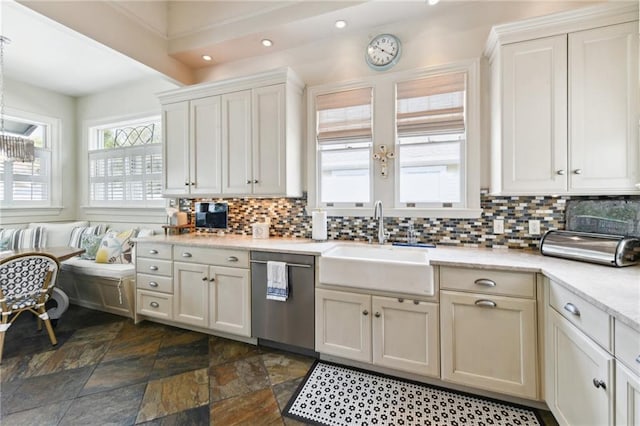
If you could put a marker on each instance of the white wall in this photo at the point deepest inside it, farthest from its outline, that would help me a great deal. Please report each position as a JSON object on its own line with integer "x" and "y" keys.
{"x": 133, "y": 100}
{"x": 21, "y": 97}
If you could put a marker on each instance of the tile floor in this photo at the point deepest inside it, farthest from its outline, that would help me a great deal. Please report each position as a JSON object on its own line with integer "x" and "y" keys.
{"x": 106, "y": 370}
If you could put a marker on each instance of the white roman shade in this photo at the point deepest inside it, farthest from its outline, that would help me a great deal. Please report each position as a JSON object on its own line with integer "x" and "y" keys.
{"x": 344, "y": 116}
{"x": 431, "y": 106}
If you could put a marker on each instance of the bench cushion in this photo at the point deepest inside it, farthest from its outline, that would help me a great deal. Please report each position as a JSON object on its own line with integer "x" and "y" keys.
{"x": 58, "y": 234}
{"x": 106, "y": 270}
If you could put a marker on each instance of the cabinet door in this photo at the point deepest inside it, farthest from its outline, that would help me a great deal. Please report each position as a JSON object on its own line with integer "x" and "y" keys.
{"x": 406, "y": 335}
{"x": 343, "y": 325}
{"x": 236, "y": 143}
{"x": 191, "y": 293}
{"x": 206, "y": 146}
{"x": 230, "y": 300}
{"x": 269, "y": 162}
{"x": 627, "y": 397}
{"x": 175, "y": 154}
{"x": 489, "y": 342}
{"x": 573, "y": 361}
{"x": 534, "y": 114}
{"x": 603, "y": 74}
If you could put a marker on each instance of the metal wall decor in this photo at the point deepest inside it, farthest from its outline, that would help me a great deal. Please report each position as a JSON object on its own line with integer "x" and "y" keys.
{"x": 382, "y": 155}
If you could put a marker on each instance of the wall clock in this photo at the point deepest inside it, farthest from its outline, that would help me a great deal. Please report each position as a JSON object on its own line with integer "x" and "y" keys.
{"x": 383, "y": 52}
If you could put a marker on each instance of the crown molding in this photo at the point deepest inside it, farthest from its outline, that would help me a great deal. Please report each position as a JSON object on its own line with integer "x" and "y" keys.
{"x": 561, "y": 23}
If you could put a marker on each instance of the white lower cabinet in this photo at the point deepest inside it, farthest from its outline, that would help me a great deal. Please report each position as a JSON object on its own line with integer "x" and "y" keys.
{"x": 627, "y": 396}
{"x": 489, "y": 342}
{"x": 230, "y": 300}
{"x": 390, "y": 332}
{"x": 580, "y": 377}
{"x": 190, "y": 293}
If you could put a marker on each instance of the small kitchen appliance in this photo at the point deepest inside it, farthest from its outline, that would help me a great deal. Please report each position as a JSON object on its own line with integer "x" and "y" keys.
{"x": 612, "y": 250}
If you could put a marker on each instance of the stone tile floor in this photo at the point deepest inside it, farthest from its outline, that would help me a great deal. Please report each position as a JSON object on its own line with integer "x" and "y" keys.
{"x": 106, "y": 370}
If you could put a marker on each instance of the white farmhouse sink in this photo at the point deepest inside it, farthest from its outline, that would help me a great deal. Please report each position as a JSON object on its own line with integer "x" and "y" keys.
{"x": 383, "y": 268}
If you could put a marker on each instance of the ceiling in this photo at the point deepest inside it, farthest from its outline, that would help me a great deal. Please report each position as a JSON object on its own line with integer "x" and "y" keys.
{"x": 49, "y": 49}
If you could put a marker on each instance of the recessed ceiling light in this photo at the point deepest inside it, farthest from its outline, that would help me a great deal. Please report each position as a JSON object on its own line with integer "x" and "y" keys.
{"x": 266, "y": 42}
{"x": 207, "y": 57}
{"x": 341, "y": 24}
{"x": 433, "y": 2}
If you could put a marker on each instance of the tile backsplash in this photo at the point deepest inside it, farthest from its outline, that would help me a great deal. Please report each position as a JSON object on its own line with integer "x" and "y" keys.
{"x": 289, "y": 218}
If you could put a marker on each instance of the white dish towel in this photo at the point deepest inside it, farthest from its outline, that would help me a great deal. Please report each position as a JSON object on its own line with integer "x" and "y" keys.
{"x": 277, "y": 281}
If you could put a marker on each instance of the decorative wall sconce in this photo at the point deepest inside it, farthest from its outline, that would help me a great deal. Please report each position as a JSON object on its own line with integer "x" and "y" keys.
{"x": 382, "y": 155}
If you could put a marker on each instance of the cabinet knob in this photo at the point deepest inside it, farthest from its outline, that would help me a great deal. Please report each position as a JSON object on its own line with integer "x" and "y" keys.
{"x": 561, "y": 172}
{"x": 486, "y": 303}
{"x": 186, "y": 184}
{"x": 599, "y": 384}
{"x": 232, "y": 259}
{"x": 153, "y": 251}
{"x": 186, "y": 254}
{"x": 153, "y": 268}
{"x": 156, "y": 305}
{"x": 377, "y": 314}
{"x": 255, "y": 181}
{"x": 248, "y": 181}
{"x": 572, "y": 309}
{"x": 193, "y": 184}
{"x": 365, "y": 312}
{"x": 205, "y": 279}
{"x": 212, "y": 279}
{"x": 485, "y": 282}
{"x": 577, "y": 171}
{"x": 153, "y": 284}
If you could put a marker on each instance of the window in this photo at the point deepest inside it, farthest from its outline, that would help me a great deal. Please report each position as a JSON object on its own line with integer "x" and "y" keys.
{"x": 26, "y": 183}
{"x": 430, "y": 125}
{"x": 344, "y": 147}
{"x": 125, "y": 164}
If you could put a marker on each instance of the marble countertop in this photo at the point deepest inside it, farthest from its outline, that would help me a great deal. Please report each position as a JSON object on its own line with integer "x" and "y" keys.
{"x": 614, "y": 290}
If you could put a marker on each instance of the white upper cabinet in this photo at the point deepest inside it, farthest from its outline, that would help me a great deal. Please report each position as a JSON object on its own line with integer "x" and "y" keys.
{"x": 603, "y": 88}
{"x": 564, "y": 103}
{"x": 237, "y": 137}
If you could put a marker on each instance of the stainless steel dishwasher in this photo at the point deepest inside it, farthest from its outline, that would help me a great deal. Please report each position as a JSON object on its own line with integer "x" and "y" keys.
{"x": 291, "y": 324}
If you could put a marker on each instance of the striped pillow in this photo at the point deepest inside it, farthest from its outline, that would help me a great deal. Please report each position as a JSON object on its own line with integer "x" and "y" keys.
{"x": 78, "y": 232}
{"x": 24, "y": 238}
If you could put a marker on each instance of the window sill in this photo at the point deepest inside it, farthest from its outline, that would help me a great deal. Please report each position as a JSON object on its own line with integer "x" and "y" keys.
{"x": 22, "y": 211}
{"x": 453, "y": 213}
{"x": 123, "y": 210}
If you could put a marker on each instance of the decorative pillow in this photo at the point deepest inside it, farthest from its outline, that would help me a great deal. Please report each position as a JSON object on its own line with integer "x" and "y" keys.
{"x": 22, "y": 238}
{"x": 76, "y": 234}
{"x": 115, "y": 247}
{"x": 90, "y": 243}
{"x": 58, "y": 233}
{"x": 4, "y": 243}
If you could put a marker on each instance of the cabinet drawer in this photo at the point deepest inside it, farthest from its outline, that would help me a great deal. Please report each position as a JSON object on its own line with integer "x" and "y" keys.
{"x": 627, "y": 343}
{"x": 154, "y": 304}
{"x": 212, "y": 256}
{"x": 154, "y": 250}
{"x": 154, "y": 267}
{"x": 504, "y": 283}
{"x": 592, "y": 321}
{"x": 154, "y": 283}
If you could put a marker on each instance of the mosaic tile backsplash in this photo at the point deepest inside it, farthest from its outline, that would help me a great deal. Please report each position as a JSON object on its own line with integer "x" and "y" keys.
{"x": 289, "y": 218}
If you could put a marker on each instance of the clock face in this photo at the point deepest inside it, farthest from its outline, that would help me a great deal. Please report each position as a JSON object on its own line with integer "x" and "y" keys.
{"x": 383, "y": 52}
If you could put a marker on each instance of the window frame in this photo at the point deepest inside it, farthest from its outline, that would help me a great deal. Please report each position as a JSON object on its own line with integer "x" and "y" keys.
{"x": 385, "y": 130}
{"x": 90, "y": 143}
{"x": 52, "y": 135}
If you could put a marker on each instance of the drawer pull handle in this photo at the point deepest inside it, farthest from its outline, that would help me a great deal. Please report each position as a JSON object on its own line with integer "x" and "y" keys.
{"x": 153, "y": 251}
{"x": 416, "y": 302}
{"x": 377, "y": 315}
{"x": 232, "y": 259}
{"x": 153, "y": 268}
{"x": 186, "y": 254}
{"x": 599, "y": 384}
{"x": 486, "y": 303}
{"x": 571, "y": 308}
{"x": 154, "y": 304}
{"x": 153, "y": 284}
{"x": 638, "y": 359}
{"x": 485, "y": 282}
{"x": 205, "y": 279}
{"x": 400, "y": 300}
{"x": 212, "y": 279}
{"x": 365, "y": 312}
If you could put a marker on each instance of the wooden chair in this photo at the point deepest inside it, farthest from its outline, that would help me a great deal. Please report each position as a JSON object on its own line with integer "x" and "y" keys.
{"x": 25, "y": 281}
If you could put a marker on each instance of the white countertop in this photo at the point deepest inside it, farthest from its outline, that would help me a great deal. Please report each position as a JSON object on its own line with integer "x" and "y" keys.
{"x": 614, "y": 290}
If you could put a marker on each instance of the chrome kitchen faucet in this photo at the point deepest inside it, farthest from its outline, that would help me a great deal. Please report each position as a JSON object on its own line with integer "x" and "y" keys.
{"x": 377, "y": 214}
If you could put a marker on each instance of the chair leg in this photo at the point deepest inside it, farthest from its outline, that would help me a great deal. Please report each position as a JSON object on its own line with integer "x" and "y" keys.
{"x": 2, "y": 333}
{"x": 47, "y": 324}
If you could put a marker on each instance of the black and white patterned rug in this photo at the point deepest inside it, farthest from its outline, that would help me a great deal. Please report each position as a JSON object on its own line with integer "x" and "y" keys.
{"x": 337, "y": 395}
